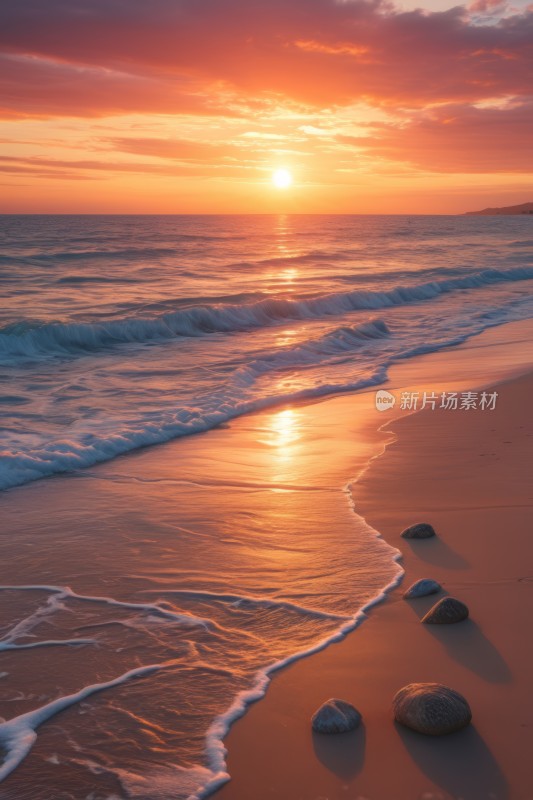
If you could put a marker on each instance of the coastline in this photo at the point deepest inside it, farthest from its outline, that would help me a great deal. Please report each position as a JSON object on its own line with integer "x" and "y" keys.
{"x": 125, "y": 515}
{"x": 440, "y": 468}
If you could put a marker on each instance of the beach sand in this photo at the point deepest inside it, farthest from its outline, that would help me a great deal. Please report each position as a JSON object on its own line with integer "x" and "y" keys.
{"x": 118, "y": 530}
{"x": 467, "y": 473}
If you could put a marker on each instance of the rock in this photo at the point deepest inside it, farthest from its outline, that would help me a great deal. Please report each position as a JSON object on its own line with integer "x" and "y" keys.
{"x": 422, "y": 588}
{"x": 422, "y": 530}
{"x": 431, "y": 708}
{"x": 445, "y": 612}
{"x": 336, "y": 716}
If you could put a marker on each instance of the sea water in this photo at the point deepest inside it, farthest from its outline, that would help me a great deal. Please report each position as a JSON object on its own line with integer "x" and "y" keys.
{"x": 142, "y": 612}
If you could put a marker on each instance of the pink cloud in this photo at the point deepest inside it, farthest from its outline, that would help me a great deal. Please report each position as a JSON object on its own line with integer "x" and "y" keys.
{"x": 41, "y": 87}
{"x": 487, "y": 5}
{"x": 169, "y": 54}
{"x": 458, "y": 139}
{"x": 240, "y": 57}
{"x": 78, "y": 169}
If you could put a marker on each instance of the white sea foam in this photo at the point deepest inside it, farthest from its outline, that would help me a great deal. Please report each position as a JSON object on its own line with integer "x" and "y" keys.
{"x": 46, "y": 643}
{"x": 18, "y": 735}
{"x": 215, "y": 748}
{"x": 69, "y": 455}
{"x": 62, "y": 593}
{"x": 239, "y": 601}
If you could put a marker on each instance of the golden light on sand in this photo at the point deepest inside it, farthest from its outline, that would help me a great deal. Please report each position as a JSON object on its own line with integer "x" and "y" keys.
{"x": 284, "y": 428}
{"x": 282, "y": 179}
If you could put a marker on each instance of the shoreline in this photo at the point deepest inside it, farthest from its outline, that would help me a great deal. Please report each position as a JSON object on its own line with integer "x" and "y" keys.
{"x": 306, "y": 457}
{"x": 273, "y": 726}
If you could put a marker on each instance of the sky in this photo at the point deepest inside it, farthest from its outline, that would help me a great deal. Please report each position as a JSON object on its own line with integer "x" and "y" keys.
{"x": 190, "y": 106}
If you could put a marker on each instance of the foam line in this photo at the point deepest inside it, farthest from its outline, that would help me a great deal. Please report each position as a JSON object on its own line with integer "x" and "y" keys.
{"x": 18, "y": 467}
{"x": 47, "y": 643}
{"x": 64, "y": 592}
{"x": 240, "y": 600}
{"x": 216, "y": 751}
{"x": 19, "y": 734}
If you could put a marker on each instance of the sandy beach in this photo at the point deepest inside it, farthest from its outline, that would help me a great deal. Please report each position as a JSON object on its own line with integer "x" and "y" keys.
{"x": 467, "y": 474}
{"x": 269, "y": 494}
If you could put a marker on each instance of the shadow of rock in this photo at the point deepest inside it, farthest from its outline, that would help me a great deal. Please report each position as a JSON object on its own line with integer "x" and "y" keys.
{"x": 467, "y": 644}
{"x": 436, "y": 551}
{"x": 343, "y": 753}
{"x": 421, "y": 605}
{"x": 460, "y": 763}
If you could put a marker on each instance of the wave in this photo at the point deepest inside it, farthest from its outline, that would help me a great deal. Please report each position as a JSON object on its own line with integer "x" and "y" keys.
{"x": 332, "y": 345}
{"x": 37, "y": 339}
{"x": 246, "y": 601}
{"x": 130, "y": 253}
{"x": 60, "y": 257}
{"x": 216, "y": 751}
{"x": 18, "y": 735}
{"x": 77, "y": 279}
{"x": 58, "y": 594}
{"x": 18, "y": 467}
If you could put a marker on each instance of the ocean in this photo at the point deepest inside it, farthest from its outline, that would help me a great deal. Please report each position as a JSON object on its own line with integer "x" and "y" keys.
{"x": 119, "y": 332}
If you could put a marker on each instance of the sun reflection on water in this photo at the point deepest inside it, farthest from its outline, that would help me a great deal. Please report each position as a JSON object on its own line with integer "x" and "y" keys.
{"x": 286, "y": 338}
{"x": 283, "y": 430}
{"x": 284, "y": 427}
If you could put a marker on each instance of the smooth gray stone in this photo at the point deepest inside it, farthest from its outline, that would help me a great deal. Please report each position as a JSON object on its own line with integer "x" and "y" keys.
{"x": 336, "y": 716}
{"x": 422, "y": 588}
{"x": 421, "y": 530}
{"x": 446, "y": 612}
{"x": 431, "y": 708}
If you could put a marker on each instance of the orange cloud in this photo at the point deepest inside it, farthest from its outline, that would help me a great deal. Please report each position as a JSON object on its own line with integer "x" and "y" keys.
{"x": 457, "y": 139}
{"x": 173, "y": 92}
{"x": 105, "y": 56}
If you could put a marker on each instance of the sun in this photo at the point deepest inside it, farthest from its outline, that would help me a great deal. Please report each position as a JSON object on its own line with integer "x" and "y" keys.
{"x": 282, "y": 179}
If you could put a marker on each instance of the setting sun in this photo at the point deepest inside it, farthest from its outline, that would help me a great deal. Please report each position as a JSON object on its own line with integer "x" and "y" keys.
{"x": 282, "y": 179}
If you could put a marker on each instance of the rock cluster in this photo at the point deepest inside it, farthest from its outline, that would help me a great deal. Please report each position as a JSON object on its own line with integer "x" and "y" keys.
{"x": 429, "y": 708}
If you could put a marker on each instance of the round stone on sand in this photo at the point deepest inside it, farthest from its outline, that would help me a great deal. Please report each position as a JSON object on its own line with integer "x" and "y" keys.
{"x": 446, "y": 612}
{"x": 422, "y": 588}
{"x": 336, "y": 716}
{"x": 421, "y": 530}
{"x": 431, "y": 708}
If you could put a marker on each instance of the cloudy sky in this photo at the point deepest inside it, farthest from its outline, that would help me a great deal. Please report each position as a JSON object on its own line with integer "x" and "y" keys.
{"x": 188, "y": 106}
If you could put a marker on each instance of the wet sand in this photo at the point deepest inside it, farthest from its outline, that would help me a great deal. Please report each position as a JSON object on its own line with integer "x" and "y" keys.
{"x": 118, "y": 530}
{"x": 469, "y": 474}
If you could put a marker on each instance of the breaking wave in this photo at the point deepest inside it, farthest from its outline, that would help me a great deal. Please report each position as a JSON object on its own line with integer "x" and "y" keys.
{"x": 36, "y": 339}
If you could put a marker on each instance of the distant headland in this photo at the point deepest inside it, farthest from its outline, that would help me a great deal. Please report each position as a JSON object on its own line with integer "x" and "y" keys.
{"x": 525, "y": 208}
